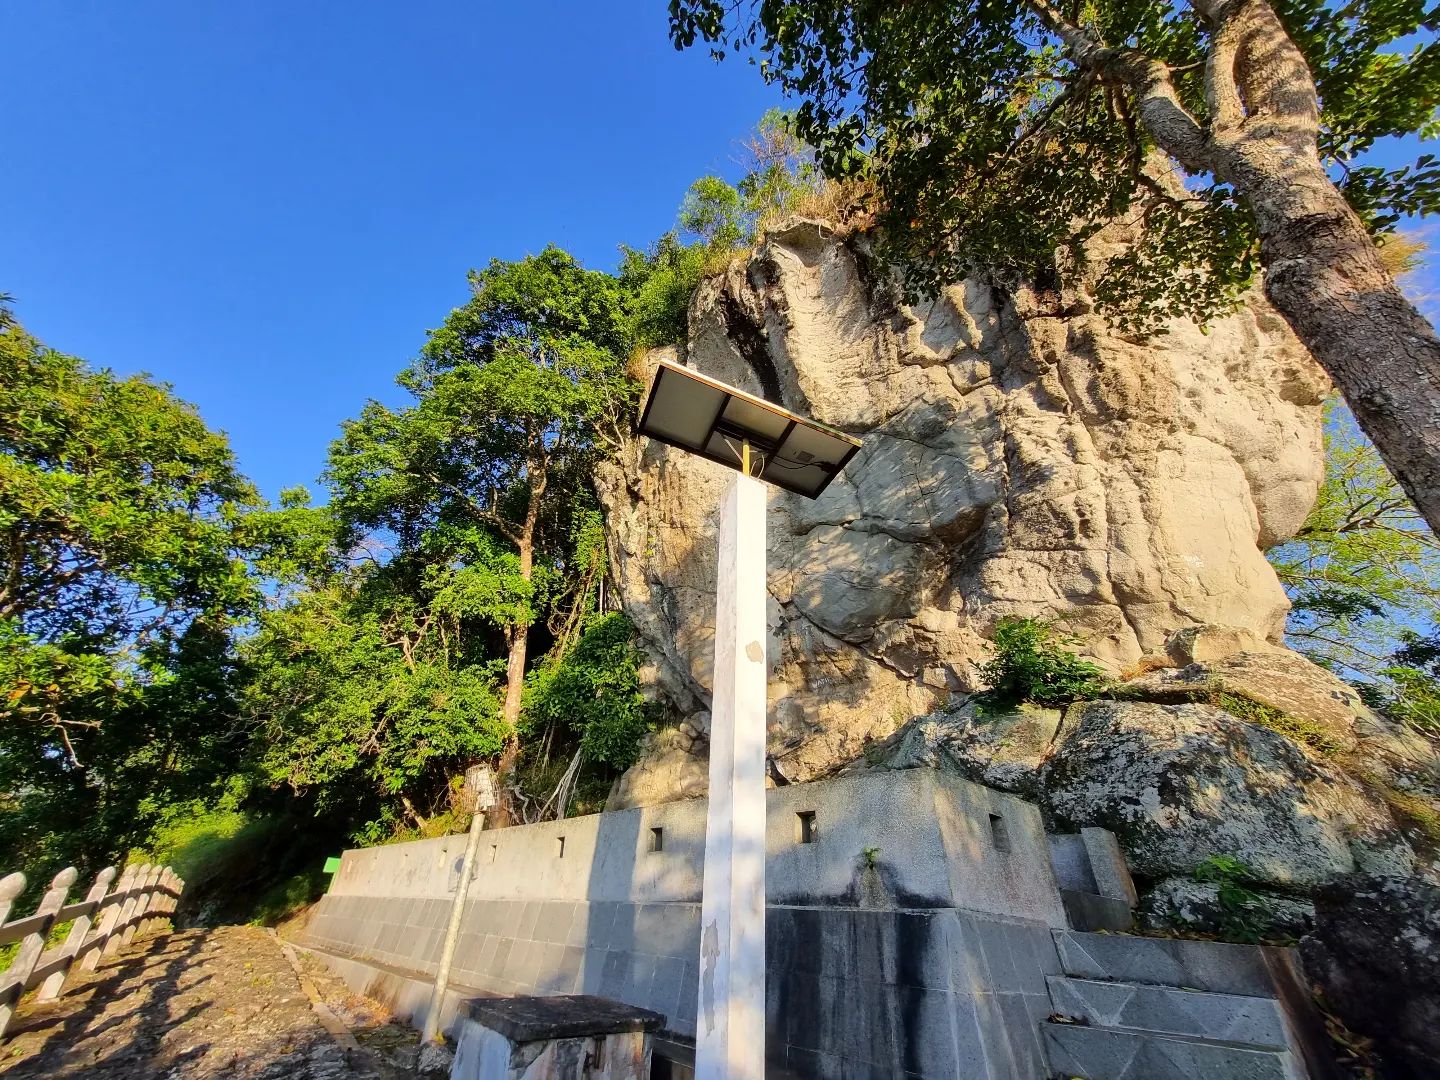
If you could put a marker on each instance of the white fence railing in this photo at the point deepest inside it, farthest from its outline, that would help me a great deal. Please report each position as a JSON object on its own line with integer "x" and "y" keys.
{"x": 105, "y": 920}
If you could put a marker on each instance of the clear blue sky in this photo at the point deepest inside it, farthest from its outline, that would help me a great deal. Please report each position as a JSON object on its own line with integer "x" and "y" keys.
{"x": 266, "y": 203}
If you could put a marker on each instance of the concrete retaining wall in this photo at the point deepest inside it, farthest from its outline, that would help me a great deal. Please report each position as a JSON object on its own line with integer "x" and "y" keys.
{"x": 931, "y": 950}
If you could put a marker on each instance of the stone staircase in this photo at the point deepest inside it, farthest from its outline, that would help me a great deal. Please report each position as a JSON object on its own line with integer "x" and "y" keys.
{"x": 1157, "y": 1009}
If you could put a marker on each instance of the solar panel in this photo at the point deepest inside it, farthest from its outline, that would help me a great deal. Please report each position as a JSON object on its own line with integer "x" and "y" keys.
{"x": 704, "y": 416}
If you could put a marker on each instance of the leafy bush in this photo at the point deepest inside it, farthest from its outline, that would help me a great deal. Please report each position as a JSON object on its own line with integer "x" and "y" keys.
{"x": 660, "y": 282}
{"x": 594, "y": 692}
{"x": 1031, "y": 664}
{"x": 1242, "y": 909}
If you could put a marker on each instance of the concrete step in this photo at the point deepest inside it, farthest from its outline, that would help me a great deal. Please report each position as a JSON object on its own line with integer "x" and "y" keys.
{"x": 1233, "y": 1018}
{"x": 1192, "y": 965}
{"x": 1102, "y": 1053}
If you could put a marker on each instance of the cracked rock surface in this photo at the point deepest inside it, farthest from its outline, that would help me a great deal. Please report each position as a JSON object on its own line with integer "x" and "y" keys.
{"x": 1021, "y": 457}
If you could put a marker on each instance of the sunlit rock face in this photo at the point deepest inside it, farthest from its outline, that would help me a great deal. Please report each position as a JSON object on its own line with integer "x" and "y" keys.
{"x": 1021, "y": 457}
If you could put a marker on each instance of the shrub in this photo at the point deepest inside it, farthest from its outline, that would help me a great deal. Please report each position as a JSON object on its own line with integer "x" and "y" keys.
{"x": 660, "y": 282}
{"x": 1242, "y": 915}
{"x": 1031, "y": 664}
{"x": 594, "y": 691}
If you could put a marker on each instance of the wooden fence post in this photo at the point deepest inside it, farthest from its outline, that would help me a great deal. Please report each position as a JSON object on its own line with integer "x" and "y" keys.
{"x": 127, "y": 910}
{"x": 33, "y": 945}
{"x": 130, "y": 916}
{"x": 99, "y": 943}
{"x": 55, "y": 981}
{"x": 143, "y": 899}
{"x": 11, "y": 886}
{"x": 167, "y": 897}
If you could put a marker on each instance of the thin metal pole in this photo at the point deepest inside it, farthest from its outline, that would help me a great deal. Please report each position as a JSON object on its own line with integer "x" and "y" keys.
{"x": 452, "y": 932}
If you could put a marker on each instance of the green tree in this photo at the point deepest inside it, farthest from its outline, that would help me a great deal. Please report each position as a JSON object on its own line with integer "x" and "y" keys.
{"x": 1003, "y": 133}
{"x": 1364, "y": 567}
{"x": 1363, "y": 577}
{"x": 121, "y": 578}
{"x": 593, "y": 690}
{"x": 366, "y": 698}
{"x": 1407, "y": 688}
{"x": 716, "y": 219}
{"x": 514, "y": 395}
{"x": 660, "y": 282}
{"x": 117, "y": 508}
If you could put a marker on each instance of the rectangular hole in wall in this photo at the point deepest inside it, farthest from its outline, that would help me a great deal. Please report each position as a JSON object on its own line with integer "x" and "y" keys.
{"x": 494, "y": 850}
{"x": 657, "y": 839}
{"x": 560, "y": 847}
{"x": 807, "y": 829}
{"x": 998, "y": 835}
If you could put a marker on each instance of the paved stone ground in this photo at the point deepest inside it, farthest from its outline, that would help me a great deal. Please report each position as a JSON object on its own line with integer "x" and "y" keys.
{"x": 206, "y": 1003}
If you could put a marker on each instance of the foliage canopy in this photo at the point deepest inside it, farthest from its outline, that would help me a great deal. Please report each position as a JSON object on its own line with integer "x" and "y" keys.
{"x": 1003, "y": 133}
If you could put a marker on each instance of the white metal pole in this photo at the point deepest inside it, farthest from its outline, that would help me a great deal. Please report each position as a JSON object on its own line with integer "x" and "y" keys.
{"x": 431, "y": 1029}
{"x": 730, "y": 1035}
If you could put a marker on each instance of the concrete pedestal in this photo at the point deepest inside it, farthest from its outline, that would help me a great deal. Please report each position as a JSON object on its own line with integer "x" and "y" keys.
{"x": 730, "y": 1021}
{"x": 568, "y": 1037}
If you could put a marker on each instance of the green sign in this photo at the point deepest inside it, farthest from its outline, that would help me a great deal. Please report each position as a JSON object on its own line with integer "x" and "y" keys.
{"x": 332, "y": 864}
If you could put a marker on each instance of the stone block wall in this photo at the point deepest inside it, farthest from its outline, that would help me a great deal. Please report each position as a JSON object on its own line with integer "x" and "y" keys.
{"x": 928, "y": 952}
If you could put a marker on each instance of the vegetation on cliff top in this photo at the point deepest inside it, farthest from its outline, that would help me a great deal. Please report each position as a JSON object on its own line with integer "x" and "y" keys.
{"x": 1003, "y": 135}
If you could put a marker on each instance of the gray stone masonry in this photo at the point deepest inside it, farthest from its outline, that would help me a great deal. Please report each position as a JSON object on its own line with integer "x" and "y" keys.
{"x": 940, "y": 955}
{"x": 1200, "y": 965}
{"x": 1116, "y": 1054}
{"x": 1227, "y": 1017}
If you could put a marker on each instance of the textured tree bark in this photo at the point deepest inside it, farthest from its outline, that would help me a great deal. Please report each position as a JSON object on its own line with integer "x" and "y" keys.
{"x": 518, "y": 639}
{"x": 1321, "y": 267}
{"x": 1323, "y": 274}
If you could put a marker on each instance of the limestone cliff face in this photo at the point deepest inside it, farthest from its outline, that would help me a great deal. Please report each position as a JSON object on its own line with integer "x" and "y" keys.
{"x": 1021, "y": 457}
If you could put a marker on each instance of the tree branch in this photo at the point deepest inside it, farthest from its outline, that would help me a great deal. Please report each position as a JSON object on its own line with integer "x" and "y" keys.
{"x": 1167, "y": 120}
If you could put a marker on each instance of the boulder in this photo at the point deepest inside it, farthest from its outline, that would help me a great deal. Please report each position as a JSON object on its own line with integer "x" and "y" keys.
{"x": 1180, "y": 783}
{"x": 1187, "y": 904}
{"x": 1021, "y": 457}
{"x": 1327, "y": 710}
{"x": 1375, "y": 952}
{"x": 673, "y": 771}
{"x": 1003, "y": 751}
{"x": 1197, "y": 644}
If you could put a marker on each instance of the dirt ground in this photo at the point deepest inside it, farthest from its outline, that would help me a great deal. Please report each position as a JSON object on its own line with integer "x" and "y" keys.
{"x": 204, "y": 1003}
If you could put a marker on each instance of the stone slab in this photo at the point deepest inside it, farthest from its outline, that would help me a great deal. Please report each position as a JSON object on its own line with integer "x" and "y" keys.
{"x": 1226, "y": 1017}
{"x": 1091, "y": 911}
{"x": 561, "y": 1016}
{"x": 1201, "y": 965}
{"x": 1091, "y": 1053}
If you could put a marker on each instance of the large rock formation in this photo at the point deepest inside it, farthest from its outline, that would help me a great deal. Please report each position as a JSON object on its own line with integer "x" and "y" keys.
{"x": 1021, "y": 457}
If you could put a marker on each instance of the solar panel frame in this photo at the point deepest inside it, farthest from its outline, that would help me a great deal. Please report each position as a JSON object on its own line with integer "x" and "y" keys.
{"x": 769, "y": 448}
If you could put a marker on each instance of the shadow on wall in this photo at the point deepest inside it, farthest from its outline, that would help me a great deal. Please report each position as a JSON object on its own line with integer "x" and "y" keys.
{"x": 898, "y": 902}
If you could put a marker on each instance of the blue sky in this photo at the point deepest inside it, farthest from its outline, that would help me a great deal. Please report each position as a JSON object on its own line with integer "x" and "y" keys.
{"x": 266, "y": 203}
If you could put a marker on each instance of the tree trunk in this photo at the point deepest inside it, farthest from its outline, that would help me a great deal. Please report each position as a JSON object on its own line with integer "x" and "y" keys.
{"x": 518, "y": 639}
{"x": 1321, "y": 267}
{"x": 1323, "y": 273}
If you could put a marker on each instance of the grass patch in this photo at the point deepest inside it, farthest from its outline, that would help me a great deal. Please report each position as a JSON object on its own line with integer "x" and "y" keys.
{"x": 1294, "y": 728}
{"x": 1413, "y": 812}
{"x": 285, "y": 898}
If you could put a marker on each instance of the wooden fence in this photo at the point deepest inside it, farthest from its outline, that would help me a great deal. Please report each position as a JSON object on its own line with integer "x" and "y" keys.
{"x": 105, "y": 920}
